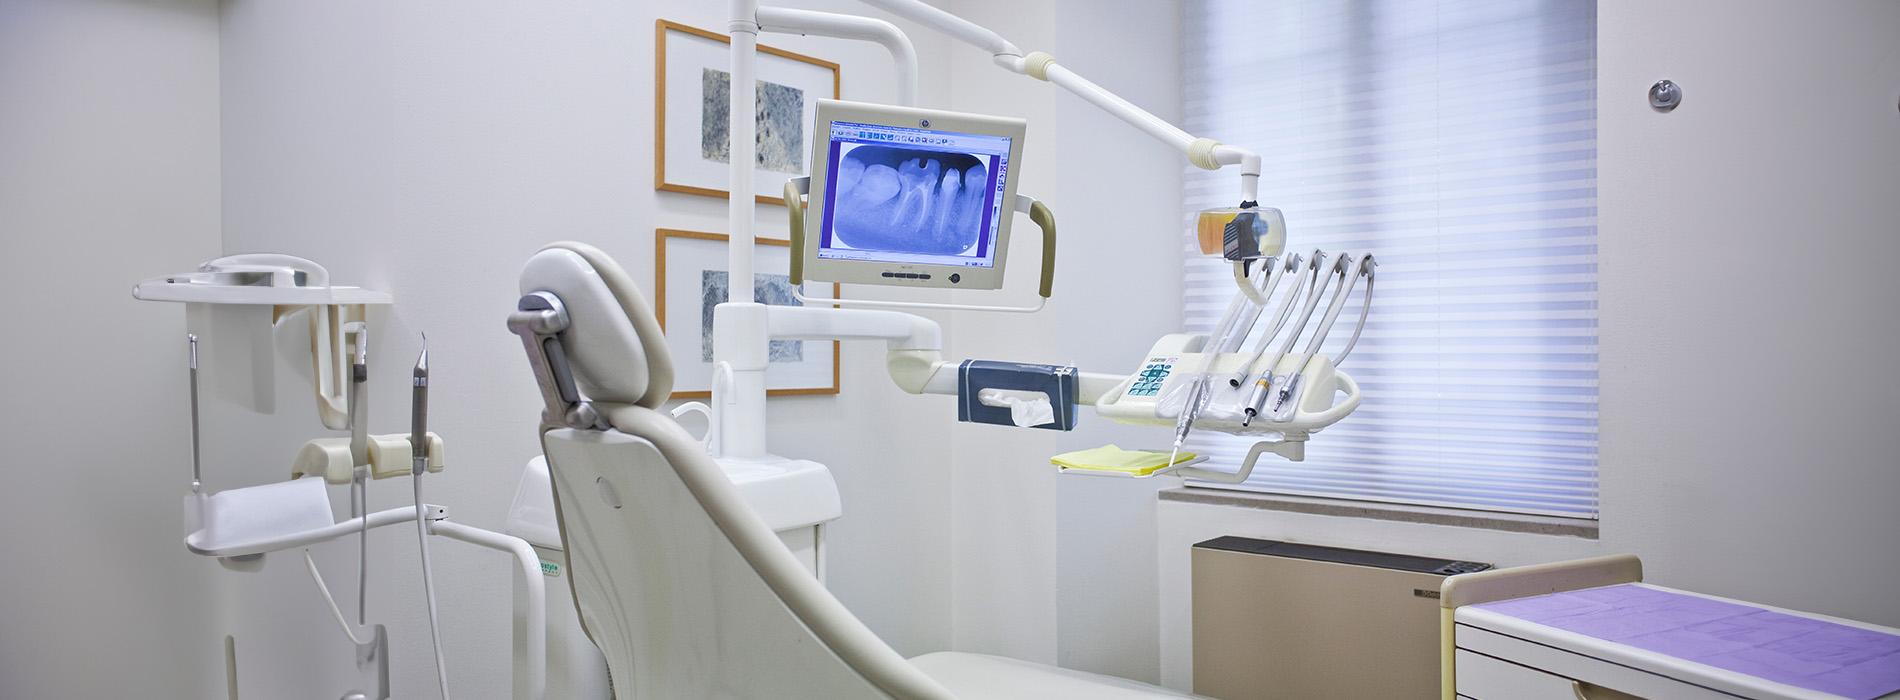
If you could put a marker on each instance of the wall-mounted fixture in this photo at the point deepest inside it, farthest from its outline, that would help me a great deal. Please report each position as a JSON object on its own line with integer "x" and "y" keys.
{"x": 1665, "y": 95}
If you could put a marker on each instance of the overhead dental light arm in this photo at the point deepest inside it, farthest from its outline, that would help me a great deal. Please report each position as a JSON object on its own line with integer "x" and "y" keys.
{"x": 1204, "y": 153}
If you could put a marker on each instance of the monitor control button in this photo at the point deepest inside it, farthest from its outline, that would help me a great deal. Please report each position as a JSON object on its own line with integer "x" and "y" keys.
{"x": 890, "y": 274}
{"x": 955, "y": 278}
{"x": 923, "y": 277}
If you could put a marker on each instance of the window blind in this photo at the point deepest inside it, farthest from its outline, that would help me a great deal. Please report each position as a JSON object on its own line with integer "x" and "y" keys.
{"x": 1457, "y": 142}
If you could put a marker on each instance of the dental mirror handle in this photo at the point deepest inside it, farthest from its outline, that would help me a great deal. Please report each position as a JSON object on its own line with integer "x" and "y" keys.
{"x": 197, "y": 475}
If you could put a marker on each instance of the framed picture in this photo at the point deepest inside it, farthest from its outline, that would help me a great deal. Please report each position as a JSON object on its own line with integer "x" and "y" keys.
{"x": 691, "y": 103}
{"x": 690, "y": 276}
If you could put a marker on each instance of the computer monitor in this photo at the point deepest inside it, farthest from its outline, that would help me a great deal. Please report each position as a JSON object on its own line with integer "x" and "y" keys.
{"x": 910, "y": 197}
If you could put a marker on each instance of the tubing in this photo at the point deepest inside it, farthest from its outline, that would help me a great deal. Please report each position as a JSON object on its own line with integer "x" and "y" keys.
{"x": 428, "y": 588}
{"x": 311, "y": 564}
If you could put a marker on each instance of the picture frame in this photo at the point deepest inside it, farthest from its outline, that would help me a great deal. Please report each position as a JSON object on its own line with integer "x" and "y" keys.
{"x": 689, "y": 273}
{"x": 690, "y": 107}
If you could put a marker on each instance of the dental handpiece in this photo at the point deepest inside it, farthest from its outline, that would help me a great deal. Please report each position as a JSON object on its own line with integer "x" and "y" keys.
{"x": 1282, "y": 407}
{"x": 359, "y": 458}
{"x": 1257, "y": 397}
{"x": 1290, "y": 269}
{"x": 359, "y": 383}
{"x": 419, "y": 412}
{"x": 1211, "y": 348}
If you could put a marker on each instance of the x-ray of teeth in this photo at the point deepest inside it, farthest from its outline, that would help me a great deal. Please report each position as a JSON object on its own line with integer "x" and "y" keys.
{"x": 909, "y": 200}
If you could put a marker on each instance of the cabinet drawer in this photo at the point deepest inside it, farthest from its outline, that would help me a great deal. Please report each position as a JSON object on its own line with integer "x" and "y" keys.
{"x": 1610, "y": 681}
{"x": 1481, "y": 677}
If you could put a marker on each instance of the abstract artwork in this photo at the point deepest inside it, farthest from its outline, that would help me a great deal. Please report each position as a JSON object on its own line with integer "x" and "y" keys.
{"x": 692, "y": 140}
{"x": 691, "y": 279}
{"x": 780, "y": 141}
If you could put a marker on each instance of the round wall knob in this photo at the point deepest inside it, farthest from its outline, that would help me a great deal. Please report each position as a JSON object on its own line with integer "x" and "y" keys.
{"x": 1665, "y": 95}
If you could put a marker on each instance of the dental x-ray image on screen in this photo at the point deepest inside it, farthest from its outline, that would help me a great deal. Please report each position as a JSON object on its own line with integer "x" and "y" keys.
{"x": 909, "y": 196}
{"x": 912, "y": 200}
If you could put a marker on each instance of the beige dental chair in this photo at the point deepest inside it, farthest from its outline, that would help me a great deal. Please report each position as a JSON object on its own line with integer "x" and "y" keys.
{"x": 682, "y": 586}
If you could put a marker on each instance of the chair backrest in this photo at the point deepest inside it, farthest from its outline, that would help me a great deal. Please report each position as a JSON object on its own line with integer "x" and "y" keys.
{"x": 683, "y": 587}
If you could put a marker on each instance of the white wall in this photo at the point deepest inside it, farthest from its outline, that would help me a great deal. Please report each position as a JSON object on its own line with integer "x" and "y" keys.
{"x": 1743, "y": 430}
{"x": 1746, "y": 442}
{"x": 108, "y": 174}
{"x": 427, "y": 149}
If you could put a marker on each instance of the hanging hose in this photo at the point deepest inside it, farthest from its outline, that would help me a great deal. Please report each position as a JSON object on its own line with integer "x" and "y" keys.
{"x": 428, "y": 587}
{"x": 311, "y": 564}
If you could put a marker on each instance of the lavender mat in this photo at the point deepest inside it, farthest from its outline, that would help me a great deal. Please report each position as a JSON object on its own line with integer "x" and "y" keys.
{"x": 1803, "y": 652}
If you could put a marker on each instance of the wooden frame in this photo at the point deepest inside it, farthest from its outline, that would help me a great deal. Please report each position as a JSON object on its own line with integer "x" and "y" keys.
{"x": 766, "y": 189}
{"x": 691, "y": 366}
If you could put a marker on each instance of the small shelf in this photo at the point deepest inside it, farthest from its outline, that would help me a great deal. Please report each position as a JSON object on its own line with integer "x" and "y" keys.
{"x": 1120, "y": 474}
{"x": 163, "y": 289}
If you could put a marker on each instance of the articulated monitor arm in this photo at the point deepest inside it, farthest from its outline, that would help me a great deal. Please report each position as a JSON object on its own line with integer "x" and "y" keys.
{"x": 915, "y": 357}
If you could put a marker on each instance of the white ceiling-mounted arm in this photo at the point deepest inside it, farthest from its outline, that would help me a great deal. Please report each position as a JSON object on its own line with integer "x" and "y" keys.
{"x": 1006, "y": 54}
{"x": 783, "y": 20}
{"x": 1204, "y": 153}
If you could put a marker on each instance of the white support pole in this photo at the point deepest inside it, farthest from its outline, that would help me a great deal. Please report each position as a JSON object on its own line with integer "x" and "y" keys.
{"x": 537, "y": 593}
{"x": 742, "y": 129}
{"x": 740, "y": 341}
{"x": 807, "y": 22}
{"x": 739, "y": 338}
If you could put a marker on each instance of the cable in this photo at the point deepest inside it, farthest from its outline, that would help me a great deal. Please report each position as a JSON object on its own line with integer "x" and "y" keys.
{"x": 327, "y": 598}
{"x": 419, "y": 452}
{"x": 1369, "y": 265}
{"x": 428, "y": 586}
{"x": 359, "y": 492}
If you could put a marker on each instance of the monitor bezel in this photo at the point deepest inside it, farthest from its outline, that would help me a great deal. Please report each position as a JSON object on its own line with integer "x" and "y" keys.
{"x": 912, "y": 274}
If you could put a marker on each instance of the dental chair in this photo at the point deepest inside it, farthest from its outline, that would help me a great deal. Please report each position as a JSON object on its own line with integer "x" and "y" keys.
{"x": 683, "y": 587}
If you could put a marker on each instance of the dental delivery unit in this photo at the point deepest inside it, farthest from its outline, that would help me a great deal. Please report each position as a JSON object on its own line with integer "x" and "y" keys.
{"x": 692, "y": 567}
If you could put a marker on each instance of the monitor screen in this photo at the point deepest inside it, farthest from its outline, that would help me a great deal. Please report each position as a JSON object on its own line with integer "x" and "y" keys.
{"x": 913, "y": 195}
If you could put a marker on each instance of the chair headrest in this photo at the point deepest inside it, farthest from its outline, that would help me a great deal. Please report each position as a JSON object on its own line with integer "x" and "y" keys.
{"x": 614, "y": 344}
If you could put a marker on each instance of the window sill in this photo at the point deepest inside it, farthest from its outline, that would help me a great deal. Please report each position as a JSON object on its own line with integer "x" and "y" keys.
{"x": 1455, "y": 517}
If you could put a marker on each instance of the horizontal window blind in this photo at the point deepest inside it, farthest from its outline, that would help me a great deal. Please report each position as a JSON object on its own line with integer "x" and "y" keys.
{"x": 1457, "y": 142}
